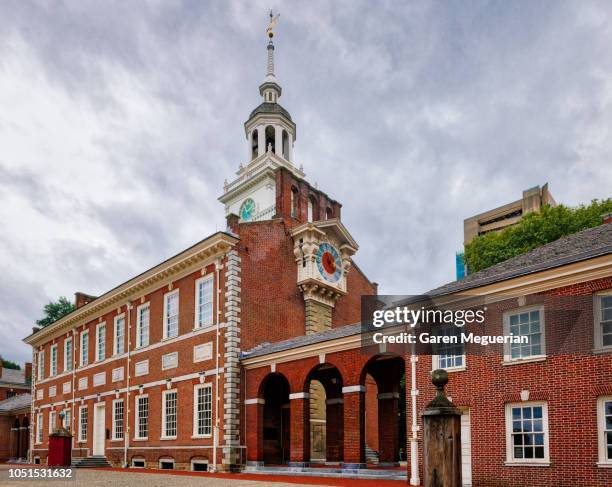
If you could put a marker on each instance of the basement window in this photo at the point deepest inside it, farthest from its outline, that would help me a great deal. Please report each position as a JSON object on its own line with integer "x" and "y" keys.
{"x": 36, "y": 460}
{"x": 138, "y": 463}
{"x": 199, "y": 465}
{"x": 166, "y": 464}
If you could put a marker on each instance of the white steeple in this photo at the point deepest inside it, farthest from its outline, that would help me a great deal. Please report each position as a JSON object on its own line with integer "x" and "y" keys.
{"x": 270, "y": 89}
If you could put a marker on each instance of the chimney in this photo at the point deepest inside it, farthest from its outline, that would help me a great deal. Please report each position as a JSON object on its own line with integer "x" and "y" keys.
{"x": 81, "y": 299}
{"x": 606, "y": 218}
{"x": 28, "y": 371}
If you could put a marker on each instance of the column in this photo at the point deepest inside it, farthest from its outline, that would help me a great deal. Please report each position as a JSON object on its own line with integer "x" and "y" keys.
{"x": 278, "y": 140}
{"x": 388, "y": 428}
{"x": 334, "y": 426}
{"x": 354, "y": 426}
{"x": 254, "y": 430}
{"x": 299, "y": 429}
{"x": 261, "y": 140}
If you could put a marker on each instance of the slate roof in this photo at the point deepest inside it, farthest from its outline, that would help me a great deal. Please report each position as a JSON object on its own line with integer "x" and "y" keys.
{"x": 19, "y": 401}
{"x": 11, "y": 376}
{"x": 300, "y": 341}
{"x": 270, "y": 108}
{"x": 587, "y": 244}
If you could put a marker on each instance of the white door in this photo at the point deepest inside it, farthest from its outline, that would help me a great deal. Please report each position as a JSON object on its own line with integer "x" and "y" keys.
{"x": 99, "y": 429}
{"x": 466, "y": 449}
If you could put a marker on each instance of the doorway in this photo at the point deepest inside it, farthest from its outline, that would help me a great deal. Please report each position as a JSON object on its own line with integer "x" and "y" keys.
{"x": 99, "y": 429}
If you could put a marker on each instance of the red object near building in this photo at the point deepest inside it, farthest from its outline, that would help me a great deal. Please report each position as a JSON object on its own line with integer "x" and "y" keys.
{"x": 60, "y": 449}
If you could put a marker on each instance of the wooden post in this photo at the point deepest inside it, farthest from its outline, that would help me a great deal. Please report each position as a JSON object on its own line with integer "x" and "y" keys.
{"x": 441, "y": 438}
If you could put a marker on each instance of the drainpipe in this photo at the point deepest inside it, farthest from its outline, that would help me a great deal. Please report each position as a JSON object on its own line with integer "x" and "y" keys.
{"x": 126, "y": 432}
{"x": 74, "y": 364}
{"x": 218, "y": 319}
{"x": 33, "y": 422}
{"x": 414, "y": 444}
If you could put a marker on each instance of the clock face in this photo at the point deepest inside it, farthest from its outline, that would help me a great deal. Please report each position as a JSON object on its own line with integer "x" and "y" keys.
{"x": 247, "y": 209}
{"x": 329, "y": 262}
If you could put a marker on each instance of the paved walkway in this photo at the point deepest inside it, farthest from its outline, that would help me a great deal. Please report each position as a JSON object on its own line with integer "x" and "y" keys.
{"x": 157, "y": 478}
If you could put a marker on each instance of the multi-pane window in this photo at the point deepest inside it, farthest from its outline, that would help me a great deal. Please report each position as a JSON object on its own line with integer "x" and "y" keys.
{"x": 604, "y": 325}
{"x": 142, "y": 417}
{"x": 40, "y": 367}
{"x": 142, "y": 330}
{"x": 525, "y": 324}
{"x": 101, "y": 341}
{"x": 53, "y": 365}
{"x": 83, "y": 423}
{"x": 169, "y": 414}
{"x": 52, "y": 420}
{"x": 449, "y": 355}
{"x": 39, "y": 428}
{"x": 84, "y": 348}
{"x": 202, "y": 414}
{"x": 118, "y": 414}
{"x": 119, "y": 346}
{"x": 171, "y": 314}
{"x": 604, "y": 416}
{"x": 66, "y": 420}
{"x": 68, "y": 354}
{"x": 204, "y": 301}
{"x": 527, "y": 431}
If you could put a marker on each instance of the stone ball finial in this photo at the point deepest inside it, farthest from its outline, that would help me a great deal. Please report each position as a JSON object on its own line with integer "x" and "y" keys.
{"x": 439, "y": 378}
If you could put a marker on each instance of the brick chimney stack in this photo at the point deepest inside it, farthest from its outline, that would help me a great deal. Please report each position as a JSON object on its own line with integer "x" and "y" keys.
{"x": 81, "y": 299}
{"x": 607, "y": 218}
{"x": 28, "y": 371}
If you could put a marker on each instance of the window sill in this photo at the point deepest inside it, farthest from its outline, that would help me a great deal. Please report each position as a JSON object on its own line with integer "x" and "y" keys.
{"x": 116, "y": 440}
{"x": 604, "y": 465}
{"x": 168, "y": 438}
{"x": 602, "y": 350}
{"x": 526, "y": 464}
{"x": 539, "y": 358}
{"x": 141, "y": 439}
{"x": 201, "y": 437}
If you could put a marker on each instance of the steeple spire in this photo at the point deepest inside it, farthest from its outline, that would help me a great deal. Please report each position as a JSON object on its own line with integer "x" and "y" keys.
{"x": 270, "y": 90}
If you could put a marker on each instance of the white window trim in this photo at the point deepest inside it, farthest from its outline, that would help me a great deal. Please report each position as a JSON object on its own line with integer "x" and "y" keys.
{"x": 67, "y": 345}
{"x": 509, "y": 450}
{"x": 52, "y": 422}
{"x": 39, "y": 429}
{"x": 138, "y": 308}
{"x": 506, "y": 319}
{"x": 99, "y": 326}
{"x": 165, "y": 320}
{"x": 163, "y": 412}
{"x": 196, "y": 325}
{"x": 66, "y": 424}
{"x": 53, "y": 363}
{"x": 84, "y": 338}
{"x": 195, "y": 410}
{"x": 198, "y": 461}
{"x": 115, "y": 343}
{"x": 40, "y": 366}
{"x": 137, "y": 436}
{"x": 115, "y": 438}
{"x": 597, "y": 331}
{"x": 601, "y": 427}
{"x": 169, "y": 355}
{"x": 139, "y": 459}
{"x": 167, "y": 460}
{"x": 80, "y": 437}
{"x": 435, "y": 364}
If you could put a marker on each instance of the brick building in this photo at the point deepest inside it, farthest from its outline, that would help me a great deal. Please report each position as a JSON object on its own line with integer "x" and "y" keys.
{"x": 15, "y": 403}
{"x": 245, "y": 350}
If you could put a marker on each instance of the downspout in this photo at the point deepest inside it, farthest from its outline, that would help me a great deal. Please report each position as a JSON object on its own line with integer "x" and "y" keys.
{"x": 74, "y": 362}
{"x": 217, "y": 377}
{"x": 126, "y": 432}
{"x": 33, "y": 423}
{"x": 414, "y": 443}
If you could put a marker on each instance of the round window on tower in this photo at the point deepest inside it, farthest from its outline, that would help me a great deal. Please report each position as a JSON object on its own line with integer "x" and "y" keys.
{"x": 247, "y": 210}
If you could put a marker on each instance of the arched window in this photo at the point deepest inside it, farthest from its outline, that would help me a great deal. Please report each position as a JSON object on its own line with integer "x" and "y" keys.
{"x": 328, "y": 213}
{"x": 294, "y": 201}
{"x": 254, "y": 143}
{"x": 285, "y": 145}
{"x": 270, "y": 138}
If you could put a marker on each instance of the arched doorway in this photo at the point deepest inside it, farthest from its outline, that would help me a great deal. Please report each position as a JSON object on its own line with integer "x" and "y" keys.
{"x": 15, "y": 439}
{"x": 276, "y": 416}
{"x": 324, "y": 384}
{"x": 384, "y": 380}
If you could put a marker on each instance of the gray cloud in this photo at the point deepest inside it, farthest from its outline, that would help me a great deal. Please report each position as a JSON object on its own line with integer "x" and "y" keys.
{"x": 119, "y": 122}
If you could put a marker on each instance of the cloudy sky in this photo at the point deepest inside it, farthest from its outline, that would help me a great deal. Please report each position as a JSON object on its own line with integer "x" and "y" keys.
{"x": 119, "y": 122}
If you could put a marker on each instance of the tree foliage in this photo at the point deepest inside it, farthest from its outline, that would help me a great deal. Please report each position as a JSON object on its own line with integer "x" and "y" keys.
{"x": 7, "y": 364}
{"x": 54, "y": 311}
{"x": 534, "y": 230}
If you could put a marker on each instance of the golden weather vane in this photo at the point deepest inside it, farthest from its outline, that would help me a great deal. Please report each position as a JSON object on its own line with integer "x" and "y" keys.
{"x": 273, "y": 22}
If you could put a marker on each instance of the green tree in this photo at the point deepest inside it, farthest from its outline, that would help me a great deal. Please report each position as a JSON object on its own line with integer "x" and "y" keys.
{"x": 534, "y": 230}
{"x": 7, "y": 364}
{"x": 54, "y": 311}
